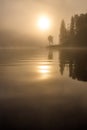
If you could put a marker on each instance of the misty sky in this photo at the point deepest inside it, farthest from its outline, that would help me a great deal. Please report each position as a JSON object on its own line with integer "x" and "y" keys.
{"x": 22, "y": 15}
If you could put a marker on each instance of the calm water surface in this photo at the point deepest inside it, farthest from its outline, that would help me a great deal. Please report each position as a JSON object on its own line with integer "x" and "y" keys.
{"x": 43, "y": 89}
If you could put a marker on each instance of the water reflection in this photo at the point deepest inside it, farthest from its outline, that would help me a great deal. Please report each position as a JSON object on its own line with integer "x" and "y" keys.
{"x": 44, "y": 71}
{"x": 50, "y": 54}
{"x": 36, "y": 92}
{"x": 76, "y": 62}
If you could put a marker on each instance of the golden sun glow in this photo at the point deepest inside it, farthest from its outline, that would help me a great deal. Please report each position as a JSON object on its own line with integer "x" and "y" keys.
{"x": 43, "y": 23}
{"x": 44, "y": 71}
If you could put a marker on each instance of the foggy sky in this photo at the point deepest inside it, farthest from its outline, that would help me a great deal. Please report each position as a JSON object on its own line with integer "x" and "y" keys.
{"x": 22, "y": 15}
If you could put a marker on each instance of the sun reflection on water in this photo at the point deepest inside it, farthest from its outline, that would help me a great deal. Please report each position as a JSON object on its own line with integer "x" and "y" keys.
{"x": 44, "y": 71}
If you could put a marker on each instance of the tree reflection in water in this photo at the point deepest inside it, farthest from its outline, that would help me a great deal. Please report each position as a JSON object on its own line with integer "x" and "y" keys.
{"x": 76, "y": 61}
{"x": 50, "y": 54}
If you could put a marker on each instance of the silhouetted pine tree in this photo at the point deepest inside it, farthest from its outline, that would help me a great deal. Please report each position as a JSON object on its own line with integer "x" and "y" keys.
{"x": 63, "y": 33}
{"x": 72, "y": 31}
{"x": 81, "y": 29}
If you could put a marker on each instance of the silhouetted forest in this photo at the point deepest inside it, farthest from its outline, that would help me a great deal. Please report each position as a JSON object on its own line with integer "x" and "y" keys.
{"x": 75, "y": 34}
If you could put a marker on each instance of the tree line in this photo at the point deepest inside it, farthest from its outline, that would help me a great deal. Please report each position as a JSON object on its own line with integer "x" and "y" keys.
{"x": 75, "y": 34}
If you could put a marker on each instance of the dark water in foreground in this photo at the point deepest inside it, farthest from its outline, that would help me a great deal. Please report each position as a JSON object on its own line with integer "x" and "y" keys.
{"x": 43, "y": 89}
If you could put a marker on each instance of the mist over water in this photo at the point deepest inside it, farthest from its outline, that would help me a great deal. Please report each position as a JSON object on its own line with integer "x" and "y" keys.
{"x": 43, "y": 88}
{"x": 43, "y": 64}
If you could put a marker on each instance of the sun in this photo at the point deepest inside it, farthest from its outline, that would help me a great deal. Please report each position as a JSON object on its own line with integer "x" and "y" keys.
{"x": 43, "y": 23}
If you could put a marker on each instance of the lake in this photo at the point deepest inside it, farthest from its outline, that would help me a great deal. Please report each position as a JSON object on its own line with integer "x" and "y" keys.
{"x": 44, "y": 89}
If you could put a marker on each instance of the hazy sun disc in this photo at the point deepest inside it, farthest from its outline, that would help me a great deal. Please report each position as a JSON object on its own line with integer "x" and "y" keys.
{"x": 43, "y": 23}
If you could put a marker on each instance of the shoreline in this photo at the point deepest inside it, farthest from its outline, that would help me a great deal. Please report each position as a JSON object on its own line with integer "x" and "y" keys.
{"x": 66, "y": 47}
